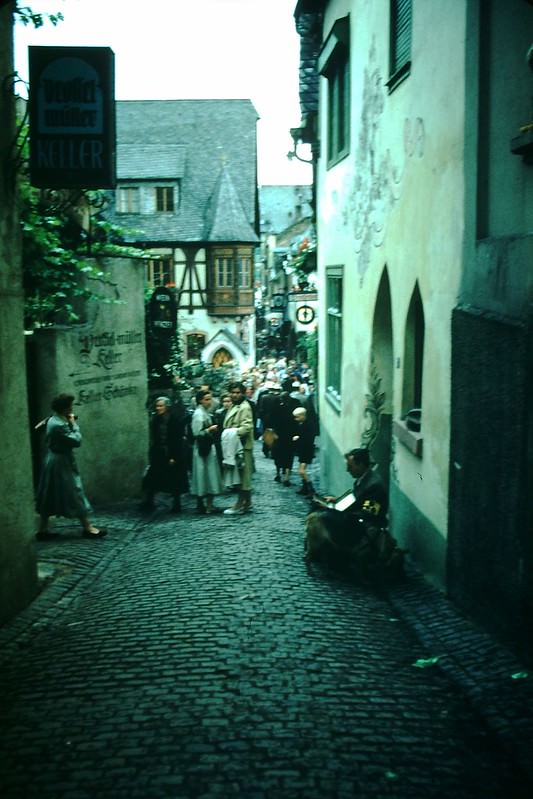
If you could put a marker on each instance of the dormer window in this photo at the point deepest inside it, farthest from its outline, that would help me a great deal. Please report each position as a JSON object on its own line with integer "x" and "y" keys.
{"x": 164, "y": 199}
{"x": 128, "y": 200}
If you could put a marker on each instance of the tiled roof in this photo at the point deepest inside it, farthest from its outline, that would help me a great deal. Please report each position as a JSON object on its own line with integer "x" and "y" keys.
{"x": 210, "y": 136}
{"x": 227, "y": 220}
{"x": 281, "y": 206}
{"x": 150, "y": 161}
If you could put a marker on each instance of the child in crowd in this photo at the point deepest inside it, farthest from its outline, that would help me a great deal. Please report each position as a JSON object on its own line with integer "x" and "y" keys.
{"x": 304, "y": 443}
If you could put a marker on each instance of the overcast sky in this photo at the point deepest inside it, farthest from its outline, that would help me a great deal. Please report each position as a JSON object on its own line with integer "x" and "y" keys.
{"x": 193, "y": 49}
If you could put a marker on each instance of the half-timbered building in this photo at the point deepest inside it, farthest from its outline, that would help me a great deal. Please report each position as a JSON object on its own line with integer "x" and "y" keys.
{"x": 187, "y": 194}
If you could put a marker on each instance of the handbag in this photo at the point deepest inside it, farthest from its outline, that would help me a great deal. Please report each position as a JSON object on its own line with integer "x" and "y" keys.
{"x": 204, "y": 444}
{"x": 269, "y": 437}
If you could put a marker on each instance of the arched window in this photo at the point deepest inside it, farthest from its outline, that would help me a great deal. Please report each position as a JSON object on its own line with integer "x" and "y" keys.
{"x": 221, "y": 357}
{"x": 413, "y": 359}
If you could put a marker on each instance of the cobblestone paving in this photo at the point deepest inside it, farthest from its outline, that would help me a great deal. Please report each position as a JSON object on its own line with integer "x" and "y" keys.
{"x": 194, "y": 657}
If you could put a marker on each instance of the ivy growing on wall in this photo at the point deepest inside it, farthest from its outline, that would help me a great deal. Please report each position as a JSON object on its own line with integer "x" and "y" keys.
{"x": 61, "y": 258}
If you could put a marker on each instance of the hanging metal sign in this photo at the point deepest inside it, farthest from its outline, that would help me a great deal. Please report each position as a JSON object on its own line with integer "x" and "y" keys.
{"x": 163, "y": 311}
{"x": 72, "y": 117}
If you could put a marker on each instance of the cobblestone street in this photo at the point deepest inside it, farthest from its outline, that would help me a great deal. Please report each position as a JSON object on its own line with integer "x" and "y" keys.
{"x": 194, "y": 657}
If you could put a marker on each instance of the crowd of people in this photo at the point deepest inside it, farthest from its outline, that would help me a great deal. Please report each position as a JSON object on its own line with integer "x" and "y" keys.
{"x": 207, "y": 450}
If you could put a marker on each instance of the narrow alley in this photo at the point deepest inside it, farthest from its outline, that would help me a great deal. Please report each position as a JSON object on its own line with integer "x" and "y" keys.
{"x": 194, "y": 657}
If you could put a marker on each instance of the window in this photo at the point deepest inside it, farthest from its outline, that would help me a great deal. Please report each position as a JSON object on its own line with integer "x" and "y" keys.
{"x": 164, "y": 198}
{"x": 221, "y": 357}
{"x": 159, "y": 271}
{"x": 334, "y": 65}
{"x": 338, "y": 110}
{"x": 224, "y": 271}
{"x": 400, "y": 41}
{"x": 244, "y": 272}
{"x": 414, "y": 354}
{"x": 128, "y": 200}
{"x": 195, "y": 345}
{"x": 334, "y": 332}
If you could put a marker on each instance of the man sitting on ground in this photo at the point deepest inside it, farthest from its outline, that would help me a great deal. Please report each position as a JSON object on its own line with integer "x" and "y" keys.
{"x": 338, "y": 529}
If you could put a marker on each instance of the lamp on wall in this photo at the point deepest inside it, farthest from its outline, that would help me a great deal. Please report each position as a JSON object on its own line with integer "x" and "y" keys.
{"x": 297, "y": 135}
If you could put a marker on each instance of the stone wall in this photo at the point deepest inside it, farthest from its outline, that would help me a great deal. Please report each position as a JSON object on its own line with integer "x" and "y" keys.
{"x": 18, "y": 568}
{"x": 103, "y": 363}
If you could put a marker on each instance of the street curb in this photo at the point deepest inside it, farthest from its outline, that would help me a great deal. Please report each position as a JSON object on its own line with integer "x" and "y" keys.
{"x": 481, "y": 667}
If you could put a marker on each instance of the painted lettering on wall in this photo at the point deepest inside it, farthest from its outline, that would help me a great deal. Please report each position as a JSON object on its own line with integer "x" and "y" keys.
{"x": 99, "y": 356}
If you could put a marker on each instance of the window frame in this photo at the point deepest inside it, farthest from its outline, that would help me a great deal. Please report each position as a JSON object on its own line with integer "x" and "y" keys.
{"x": 334, "y": 65}
{"x": 164, "y": 265}
{"x": 413, "y": 376}
{"x": 224, "y": 270}
{"x": 194, "y": 350}
{"x": 164, "y": 199}
{"x": 244, "y": 271}
{"x": 334, "y": 334}
{"x": 128, "y": 207}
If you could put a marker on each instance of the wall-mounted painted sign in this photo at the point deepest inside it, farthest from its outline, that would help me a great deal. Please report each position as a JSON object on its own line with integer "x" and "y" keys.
{"x": 72, "y": 117}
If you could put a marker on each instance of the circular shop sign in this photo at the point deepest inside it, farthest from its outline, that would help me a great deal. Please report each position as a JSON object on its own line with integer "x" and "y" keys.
{"x": 305, "y": 314}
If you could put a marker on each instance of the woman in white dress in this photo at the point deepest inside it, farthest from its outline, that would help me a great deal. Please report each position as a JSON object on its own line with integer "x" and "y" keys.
{"x": 206, "y": 481}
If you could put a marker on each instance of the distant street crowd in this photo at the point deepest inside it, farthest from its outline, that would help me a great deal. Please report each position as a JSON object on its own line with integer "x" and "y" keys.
{"x": 207, "y": 449}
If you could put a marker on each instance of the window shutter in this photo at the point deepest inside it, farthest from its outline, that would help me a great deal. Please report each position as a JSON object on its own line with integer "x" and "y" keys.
{"x": 401, "y": 33}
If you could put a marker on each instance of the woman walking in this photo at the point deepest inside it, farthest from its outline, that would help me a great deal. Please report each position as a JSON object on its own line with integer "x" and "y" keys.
{"x": 60, "y": 491}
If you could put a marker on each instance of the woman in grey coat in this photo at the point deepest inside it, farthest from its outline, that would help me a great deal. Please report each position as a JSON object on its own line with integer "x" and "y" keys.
{"x": 206, "y": 481}
{"x": 60, "y": 491}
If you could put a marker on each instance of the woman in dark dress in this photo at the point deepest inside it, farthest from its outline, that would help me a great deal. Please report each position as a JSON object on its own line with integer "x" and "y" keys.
{"x": 284, "y": 426}
{"x": 167, "y": 470}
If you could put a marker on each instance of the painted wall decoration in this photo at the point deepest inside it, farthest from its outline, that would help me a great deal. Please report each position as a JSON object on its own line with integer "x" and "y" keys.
{"x": 374, "y": 186}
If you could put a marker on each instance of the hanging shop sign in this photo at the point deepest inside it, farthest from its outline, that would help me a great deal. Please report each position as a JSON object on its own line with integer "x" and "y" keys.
{"x": 72, "y": 117}
{"x": 163, "y": 311}
{"x": 305, "y": 314}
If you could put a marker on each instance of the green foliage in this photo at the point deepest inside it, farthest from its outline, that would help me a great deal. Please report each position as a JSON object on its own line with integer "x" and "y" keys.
{"x": 60, "y": 260}
{"x": 307, "y": 350}
{"x": 51, "y": 268}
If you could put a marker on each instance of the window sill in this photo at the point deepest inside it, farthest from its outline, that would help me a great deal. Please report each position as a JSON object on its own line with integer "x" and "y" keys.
{"x": 398, "y": 77}
{"x": 334, "y": 400}
{"x": 337, "y": 158}
{"x": 413, "y": 441}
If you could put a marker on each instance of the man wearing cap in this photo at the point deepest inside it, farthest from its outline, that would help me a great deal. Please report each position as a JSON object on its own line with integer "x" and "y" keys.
{"x": 339, "y": 530}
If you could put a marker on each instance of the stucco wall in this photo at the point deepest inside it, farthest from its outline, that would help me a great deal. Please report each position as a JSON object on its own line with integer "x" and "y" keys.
{"x": 103, "y": 363}
{"x": 18, "y": 569}
{"x": 396, "y": 202}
